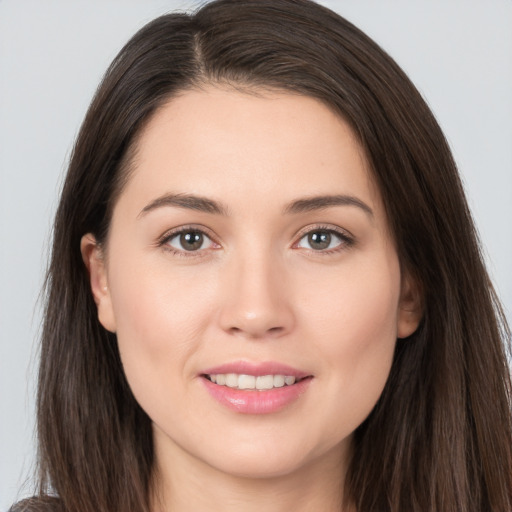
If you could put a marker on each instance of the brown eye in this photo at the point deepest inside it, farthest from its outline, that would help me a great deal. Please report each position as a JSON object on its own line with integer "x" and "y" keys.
{"x": 319, "y": 240}
{"x": 323, "y": 239}
{"x": 191, "y": 240}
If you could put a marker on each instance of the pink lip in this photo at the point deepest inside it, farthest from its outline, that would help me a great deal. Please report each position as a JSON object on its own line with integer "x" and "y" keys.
{"x": 254, "y": 401}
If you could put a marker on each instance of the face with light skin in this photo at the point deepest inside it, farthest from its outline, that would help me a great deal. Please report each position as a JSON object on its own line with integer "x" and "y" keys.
{"x": 250, "y": 230}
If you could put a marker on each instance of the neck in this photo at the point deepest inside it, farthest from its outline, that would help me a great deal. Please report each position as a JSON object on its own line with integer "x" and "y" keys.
{"x": 194, "y": 485}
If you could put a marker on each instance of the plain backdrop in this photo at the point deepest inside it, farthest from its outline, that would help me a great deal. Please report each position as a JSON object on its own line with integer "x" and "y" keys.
{"x": 52, "y": 56}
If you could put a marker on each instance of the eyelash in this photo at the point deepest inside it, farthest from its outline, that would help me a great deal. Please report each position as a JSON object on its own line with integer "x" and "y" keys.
{"x": 346, "y": 240}
{"x": 170, "y": 235}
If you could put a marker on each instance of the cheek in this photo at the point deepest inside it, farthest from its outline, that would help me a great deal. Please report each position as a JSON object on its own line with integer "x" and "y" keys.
{"x": 159, "y": 316}
{"x": 355, "y": 308}
{"x": 354, "y": 326}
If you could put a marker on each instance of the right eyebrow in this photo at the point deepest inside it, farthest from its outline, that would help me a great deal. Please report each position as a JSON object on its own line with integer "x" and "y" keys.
{"x": 188, "y": 201}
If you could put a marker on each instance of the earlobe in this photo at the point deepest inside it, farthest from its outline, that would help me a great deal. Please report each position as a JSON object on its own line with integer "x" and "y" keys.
{"x": 93, "y": 257}
{"x": 410, "y": 310}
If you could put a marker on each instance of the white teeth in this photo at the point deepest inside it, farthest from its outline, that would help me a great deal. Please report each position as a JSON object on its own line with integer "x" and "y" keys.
{"x": 246, "y": 382}
{"x": 289, "y": 380}
{"x": 232, "y": 380}
{"x": 265, "y": 382}
{"x": 278, "y": 381}
{"x": 242, "y": 381}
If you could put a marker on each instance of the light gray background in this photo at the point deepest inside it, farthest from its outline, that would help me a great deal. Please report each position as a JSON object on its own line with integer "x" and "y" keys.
{"x": 52, "y": 56}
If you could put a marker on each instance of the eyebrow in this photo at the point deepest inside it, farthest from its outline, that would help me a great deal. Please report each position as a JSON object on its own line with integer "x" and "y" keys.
{"x": 310, "y": 204}
{"x": 188, "y": 201}
{"x": 203, "y": 204}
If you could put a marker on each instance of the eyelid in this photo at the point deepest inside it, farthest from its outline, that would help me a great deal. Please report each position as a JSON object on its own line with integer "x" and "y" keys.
{"x": 347, "y": 239}
{"x": 172, "y": 233}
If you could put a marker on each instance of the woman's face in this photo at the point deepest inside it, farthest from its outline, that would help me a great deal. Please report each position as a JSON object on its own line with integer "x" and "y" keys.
{"x": 250, "y": 249}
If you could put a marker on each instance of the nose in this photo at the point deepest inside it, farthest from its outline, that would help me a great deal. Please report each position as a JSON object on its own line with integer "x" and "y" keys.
{"x": 257, "y": 302}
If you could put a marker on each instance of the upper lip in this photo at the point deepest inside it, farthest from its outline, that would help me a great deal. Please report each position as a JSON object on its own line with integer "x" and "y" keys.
{"x": 256, "y": 369}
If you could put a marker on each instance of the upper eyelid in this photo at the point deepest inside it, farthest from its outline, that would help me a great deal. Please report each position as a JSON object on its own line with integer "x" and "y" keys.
{"x": 164, "y": 242}
{"x": 171, "y": 233}
{"x": 344, "y": 233}
{"x": 347, "y": 240}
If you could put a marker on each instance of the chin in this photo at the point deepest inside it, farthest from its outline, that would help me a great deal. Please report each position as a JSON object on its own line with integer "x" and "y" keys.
{"x": 267, "y": 460}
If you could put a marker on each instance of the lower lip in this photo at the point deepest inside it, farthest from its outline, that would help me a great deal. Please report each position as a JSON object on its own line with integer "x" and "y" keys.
{"x": 254, "y": 401}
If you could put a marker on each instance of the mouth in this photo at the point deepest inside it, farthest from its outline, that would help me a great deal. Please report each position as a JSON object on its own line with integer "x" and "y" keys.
{"x": 252, "y": 382}
{"x": 256, "y": 388}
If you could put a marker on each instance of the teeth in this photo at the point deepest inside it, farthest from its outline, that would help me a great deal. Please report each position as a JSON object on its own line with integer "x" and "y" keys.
{"x": 246, "y": 382}
{"x": 265, "y": 382}
{"x": 289, "y": 381}
{"x": 279, "y": 381}
{"x": 232, "y": 380}
{"x": 242, "y": 381}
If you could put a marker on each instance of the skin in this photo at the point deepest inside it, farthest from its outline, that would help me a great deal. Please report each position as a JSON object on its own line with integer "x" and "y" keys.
{"x": 256, "y": 290}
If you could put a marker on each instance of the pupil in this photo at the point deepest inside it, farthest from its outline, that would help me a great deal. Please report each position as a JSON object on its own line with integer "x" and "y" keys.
{"x": 319, "y": 239}
{"x": 191, "y": 241}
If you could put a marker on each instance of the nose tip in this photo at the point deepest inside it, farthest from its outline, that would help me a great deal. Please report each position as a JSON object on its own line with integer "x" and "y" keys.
{"x": 257, "y": 304}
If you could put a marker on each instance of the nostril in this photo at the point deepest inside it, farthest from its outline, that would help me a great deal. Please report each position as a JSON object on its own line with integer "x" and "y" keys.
{"x": 257, "y": 333}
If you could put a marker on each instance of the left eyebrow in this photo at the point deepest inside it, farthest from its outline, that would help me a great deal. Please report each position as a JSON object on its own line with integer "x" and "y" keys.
{"x": 309, "y": 204}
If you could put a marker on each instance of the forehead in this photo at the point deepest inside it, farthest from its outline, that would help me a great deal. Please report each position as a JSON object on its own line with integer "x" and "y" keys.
{"x": 224, "y": 142}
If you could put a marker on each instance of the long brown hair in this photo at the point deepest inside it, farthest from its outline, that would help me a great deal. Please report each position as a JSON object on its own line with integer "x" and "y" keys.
{"x": 440, "y": 437}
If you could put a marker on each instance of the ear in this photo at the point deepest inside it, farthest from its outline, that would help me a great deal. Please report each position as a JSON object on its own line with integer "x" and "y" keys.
{"x": 410, "y": 309}
{"x": 93, "y": 257}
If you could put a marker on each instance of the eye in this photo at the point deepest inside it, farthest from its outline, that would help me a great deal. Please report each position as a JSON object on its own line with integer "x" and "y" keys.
{"x": 323, "y": 240}
{"x": 189, "y": 240}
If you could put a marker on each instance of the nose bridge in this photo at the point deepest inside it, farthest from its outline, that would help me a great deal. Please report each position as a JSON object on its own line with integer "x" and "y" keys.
{"x": 256, "y": 303}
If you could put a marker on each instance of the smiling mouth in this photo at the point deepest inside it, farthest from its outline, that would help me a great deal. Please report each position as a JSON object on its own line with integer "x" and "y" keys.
{"x": 251, "y": 382}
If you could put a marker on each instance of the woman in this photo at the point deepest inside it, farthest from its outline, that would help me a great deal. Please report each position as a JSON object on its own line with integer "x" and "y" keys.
{"x": 266, "y": 289}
